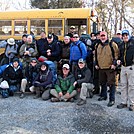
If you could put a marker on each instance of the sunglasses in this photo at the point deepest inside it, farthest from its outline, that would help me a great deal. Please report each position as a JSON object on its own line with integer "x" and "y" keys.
{"x": 124, "y": 35}
{"x": 34, "y": 62}
{"x": 80, "y": 62}
{"x": 75, "y": 37}
{"x": 102, "y": 35}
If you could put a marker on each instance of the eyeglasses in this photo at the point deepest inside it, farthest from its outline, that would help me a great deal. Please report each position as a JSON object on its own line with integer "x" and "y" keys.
{"x": 75, "y": 37}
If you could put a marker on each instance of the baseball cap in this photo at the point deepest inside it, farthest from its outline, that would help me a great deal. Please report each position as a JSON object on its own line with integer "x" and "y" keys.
{"x": 118, "y": 32}
{"x": 50, "y": 36}
{"x": 125, "y": 32}
{"x": 81, "y": 61}
{"x": 66, "y": 66}
{"x": 72, "y": 27}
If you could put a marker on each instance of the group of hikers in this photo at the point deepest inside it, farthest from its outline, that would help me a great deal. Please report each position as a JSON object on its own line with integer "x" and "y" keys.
{"x": 75, "y": 68}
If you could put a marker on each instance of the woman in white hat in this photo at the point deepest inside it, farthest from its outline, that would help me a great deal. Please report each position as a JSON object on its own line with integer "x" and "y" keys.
{"x": 10, "y": 51}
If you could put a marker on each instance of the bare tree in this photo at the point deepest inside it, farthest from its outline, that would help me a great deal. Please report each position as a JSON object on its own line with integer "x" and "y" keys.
{"x": 5, "y": 5}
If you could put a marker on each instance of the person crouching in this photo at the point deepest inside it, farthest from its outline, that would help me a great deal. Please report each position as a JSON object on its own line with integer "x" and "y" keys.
{"x": 43, "y": 82}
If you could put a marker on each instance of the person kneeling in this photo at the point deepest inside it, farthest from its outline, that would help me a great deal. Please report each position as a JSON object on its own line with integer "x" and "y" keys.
{"x": 64, "y": 89}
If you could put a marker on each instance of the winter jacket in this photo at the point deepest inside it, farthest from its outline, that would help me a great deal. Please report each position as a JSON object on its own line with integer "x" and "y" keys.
{"x": 32, "y": 48}
{"x": 65, "y": 84}
{"x": 127, "y": 53}
{"x": 55, "y": 50}
{"x": 13, "y": 76}
{"x": 103, "y": 55}
{"x": 65, "y": 54}
{"x": 13, "y": 51}
{"x": 43, "y": 79}
{"x": 31, "y": 72}
{"x": 41, "y": 46}
{"x": 77, "y": 51}
{"x": 83, "y": 75}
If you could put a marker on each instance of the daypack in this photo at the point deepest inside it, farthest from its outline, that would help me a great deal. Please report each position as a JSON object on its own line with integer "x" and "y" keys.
{"x": 86, "y": 39}
{"x": 52, "y": 68}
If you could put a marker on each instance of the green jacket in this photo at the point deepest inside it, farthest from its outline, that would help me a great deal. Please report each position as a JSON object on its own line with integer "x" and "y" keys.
{"x": 65, "y": 84}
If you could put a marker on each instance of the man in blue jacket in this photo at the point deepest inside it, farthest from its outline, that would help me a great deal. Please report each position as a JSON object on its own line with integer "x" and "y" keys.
{"x": 78, "y": 50}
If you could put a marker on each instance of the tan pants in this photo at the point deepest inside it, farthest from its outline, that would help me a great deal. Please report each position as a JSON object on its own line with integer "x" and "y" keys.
{"x": 55, "y": 94}
{"x": 24, "y": 84}
{"x": 84, "y": 90}
{"x": 127, "y": 85}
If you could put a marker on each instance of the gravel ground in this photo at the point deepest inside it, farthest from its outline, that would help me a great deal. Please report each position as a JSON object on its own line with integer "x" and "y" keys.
{"x": 34, "y": 116}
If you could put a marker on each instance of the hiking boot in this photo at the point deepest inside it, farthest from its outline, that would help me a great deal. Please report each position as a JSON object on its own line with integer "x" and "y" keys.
{"x": 110, "y": 104}
{"x": 102, "y": 98}
{"x": 71, "y": 100}
{"x": 131, "y": 108}
{"x": 22, "y": 95}
{"x": 81, "y": 102}
{"x": 91, "y": 94}
{"x": 55, "y": 100}
{"x": 36, "y": 96}
{"x": 120, "y": 106}
{"x": 11, "y": 93}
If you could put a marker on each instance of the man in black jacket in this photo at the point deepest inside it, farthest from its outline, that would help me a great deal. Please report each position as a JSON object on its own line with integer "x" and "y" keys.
{"x": 127, "y": 71}
{"x": 41, "y": 44}
{"x": 83, "y": 80}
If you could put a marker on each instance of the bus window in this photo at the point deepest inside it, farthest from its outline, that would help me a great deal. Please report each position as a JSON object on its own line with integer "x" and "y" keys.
{"x": 80, "y": 25}
{"x": 5, "y": 27}
{"x": 55, "y": 26}
{"x": 37, "y": 26}
{"x": 20, "y": 27}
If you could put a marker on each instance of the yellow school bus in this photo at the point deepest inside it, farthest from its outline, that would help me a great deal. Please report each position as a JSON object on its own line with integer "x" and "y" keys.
{"x": 58, "y": 21}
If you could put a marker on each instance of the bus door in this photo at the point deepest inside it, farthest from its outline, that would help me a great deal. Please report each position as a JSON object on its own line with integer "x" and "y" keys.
{"x": 81, "y": 25}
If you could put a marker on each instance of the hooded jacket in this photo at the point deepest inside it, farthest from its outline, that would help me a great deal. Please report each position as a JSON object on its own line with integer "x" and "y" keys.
{"x": 13, "y": 76}
{"x": 44, "y": 78}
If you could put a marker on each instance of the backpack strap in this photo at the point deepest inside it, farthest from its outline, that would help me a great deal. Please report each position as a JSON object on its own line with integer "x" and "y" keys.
{"x": 79, "y": 48}
{"x": 112, "y": 50}
{"x": 96, "y": 60}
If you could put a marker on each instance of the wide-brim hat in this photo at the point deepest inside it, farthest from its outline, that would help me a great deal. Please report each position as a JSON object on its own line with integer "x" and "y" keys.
{"x": 11, "y": 41}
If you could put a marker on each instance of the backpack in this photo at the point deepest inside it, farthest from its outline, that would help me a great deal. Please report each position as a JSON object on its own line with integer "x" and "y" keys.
{"x": 86, "y": 39}
{"x": 52, "y": 68}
